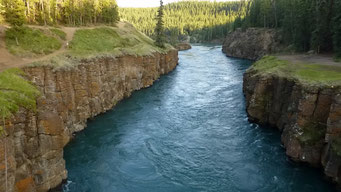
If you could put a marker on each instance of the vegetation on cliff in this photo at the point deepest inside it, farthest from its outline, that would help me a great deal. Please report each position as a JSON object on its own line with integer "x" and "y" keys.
{"x": 305, "y": 24}
{"x": 25, "y": 41}
{"x": 306, "y": 72}
{"x": 104, "y": 41}
{"x": 202, "y": 20}
{"x": 15, "y": 92}
{"x": 114, "y": 41}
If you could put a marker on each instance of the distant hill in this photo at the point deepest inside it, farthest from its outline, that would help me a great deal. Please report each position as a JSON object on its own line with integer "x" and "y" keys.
{"x": 202, "y": 20}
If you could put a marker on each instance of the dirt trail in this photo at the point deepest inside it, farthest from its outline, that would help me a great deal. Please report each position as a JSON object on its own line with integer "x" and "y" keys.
{"x": 7, "y": 60}
{"x": 313, "y": 59}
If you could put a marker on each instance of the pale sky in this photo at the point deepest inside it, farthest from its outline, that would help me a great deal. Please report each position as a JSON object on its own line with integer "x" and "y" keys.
{"x": 146, "y": 3}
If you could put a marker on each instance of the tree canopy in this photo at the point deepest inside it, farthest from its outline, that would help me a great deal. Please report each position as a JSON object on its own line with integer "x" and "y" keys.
{"x": 69, "y": 12}
{"x": 203, "y": 20}
{"x": 305, "y": 24}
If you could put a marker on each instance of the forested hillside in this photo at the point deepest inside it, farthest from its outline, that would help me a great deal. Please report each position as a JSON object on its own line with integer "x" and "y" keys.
{"x": 202, "y": 20}
{"x": 68, "y": 12}
{"x": 305, "y": 24}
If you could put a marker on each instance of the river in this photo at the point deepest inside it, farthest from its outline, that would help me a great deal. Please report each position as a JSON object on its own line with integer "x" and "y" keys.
{"x": 188, "y": 132}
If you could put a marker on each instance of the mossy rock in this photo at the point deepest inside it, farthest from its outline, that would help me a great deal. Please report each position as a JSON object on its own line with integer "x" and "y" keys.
{"x": 312, "y": 134}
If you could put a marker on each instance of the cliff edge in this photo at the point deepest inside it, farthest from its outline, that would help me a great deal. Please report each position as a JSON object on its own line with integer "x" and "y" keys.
{"x": 251, "y": 44}
{"x": 303, "y": 100}
{"x": 97, "y": 69}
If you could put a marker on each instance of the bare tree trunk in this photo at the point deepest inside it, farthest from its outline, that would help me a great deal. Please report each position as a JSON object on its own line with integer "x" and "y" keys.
{"x": 275, "y": 9}
{"x": 28, "y": 10}
{"x": 264, "y": 21}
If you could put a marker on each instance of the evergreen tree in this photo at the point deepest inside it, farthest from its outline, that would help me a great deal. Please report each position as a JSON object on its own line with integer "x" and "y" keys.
{"x": 305, "y": 24}
{"x": 160, "y": 39}
{"x": 70, "y": 12}
{"x": 201, "y": 20}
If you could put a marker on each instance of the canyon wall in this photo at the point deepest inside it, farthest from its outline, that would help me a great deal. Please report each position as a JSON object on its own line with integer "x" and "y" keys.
{"x": 69, "y": 97}
{"x": 253, "y": 43}
{"x": 308, "y": 116}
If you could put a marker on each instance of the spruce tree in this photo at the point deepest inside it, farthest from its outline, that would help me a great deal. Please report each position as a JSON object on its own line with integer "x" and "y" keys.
{"x": 159, "y": 29}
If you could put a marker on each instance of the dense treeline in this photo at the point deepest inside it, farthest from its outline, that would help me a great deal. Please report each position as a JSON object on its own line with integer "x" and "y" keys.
{"x": 305, "y": 24}
{"x": 69, "y": 12}
{"x": 203, "y": 20}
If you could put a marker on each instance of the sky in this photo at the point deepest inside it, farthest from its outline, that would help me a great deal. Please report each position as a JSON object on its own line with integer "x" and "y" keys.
{"x": 146, "y": 3}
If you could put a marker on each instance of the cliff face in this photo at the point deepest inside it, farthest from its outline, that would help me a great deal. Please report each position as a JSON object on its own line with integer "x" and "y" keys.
{"x": 183, "y": 46}
{"x": 251, "y": 44}
{"x": 35, "y": 141}
{"x": 308, "y": 116}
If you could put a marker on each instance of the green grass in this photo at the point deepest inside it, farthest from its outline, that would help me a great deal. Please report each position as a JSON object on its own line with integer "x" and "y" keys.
{"x": 31, "y": 42}
{"x": 104, "y": 42}
{"x": 15, "y": 92}
{"x": 101, "y": 40}
{"x": 113, "y": 41}
{"x": 305, "y": 72}
{"x": 61, "y": 34}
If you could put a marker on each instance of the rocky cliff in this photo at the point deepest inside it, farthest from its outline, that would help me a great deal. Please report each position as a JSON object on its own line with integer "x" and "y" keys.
{"x": 251, "y": 44}
{"x": 183, "y": 46}
{"x": 309, "y": 117}
{"x": 68, "y": 98}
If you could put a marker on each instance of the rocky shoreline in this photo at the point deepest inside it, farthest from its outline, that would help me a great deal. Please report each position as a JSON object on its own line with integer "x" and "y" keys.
{"x": 308, "y": 116}
{"x": 69, "y": 97}
{"x": 183, "y": 46}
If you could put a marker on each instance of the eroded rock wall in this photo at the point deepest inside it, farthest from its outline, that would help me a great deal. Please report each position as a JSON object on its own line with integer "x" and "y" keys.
{"x": 253, "y": 43}
{"x": 308, "y": 116}
{"x": 68, "y": 98}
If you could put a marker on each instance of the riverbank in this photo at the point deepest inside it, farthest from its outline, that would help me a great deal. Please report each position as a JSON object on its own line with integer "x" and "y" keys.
{"x": 303, "y": 101}
{"x": 69, "y": 98}
{"x": 87, "y": 76}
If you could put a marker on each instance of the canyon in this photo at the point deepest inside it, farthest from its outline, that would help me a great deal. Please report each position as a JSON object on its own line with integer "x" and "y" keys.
{"x": 69, "y": 97}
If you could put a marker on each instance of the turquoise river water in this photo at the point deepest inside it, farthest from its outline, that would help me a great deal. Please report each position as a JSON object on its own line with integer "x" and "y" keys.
{"x": 189, "y": 132}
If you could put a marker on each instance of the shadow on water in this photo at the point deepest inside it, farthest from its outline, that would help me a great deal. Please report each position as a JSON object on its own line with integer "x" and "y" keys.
{"x": 188, "y": 132}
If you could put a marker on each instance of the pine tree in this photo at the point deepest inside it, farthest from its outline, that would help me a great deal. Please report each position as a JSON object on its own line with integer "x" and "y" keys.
{"x": 159, "y": 29}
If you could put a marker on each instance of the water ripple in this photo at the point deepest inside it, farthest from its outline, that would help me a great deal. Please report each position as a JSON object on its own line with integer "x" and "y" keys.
{"x": 187, "y": 133}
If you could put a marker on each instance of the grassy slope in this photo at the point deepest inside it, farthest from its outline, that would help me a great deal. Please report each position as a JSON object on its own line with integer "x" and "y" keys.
{"x": 104, "y": 41}
{"x": 112, "y": 41}
{"x": 314, "y": 74}
{"x": 32, "y": 42}
{"x": 61, "y": 34}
